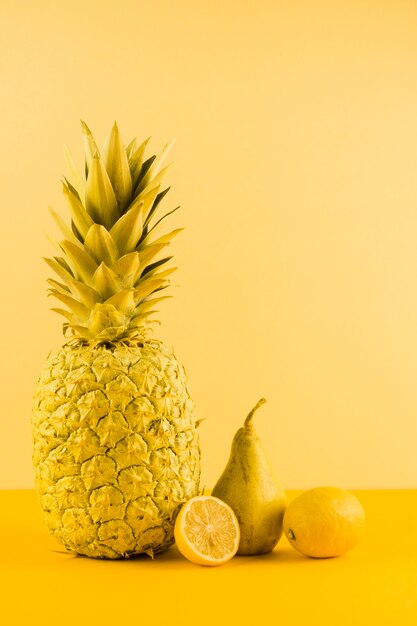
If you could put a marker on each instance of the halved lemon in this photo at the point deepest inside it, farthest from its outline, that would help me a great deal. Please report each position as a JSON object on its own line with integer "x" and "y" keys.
{"x": 207, "y": 531}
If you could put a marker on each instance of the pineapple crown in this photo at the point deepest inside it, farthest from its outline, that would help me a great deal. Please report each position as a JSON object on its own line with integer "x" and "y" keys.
{"x": 109, "y": 263}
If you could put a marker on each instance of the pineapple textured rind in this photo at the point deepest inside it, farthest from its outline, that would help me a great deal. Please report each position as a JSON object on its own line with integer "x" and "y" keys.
{"x": 116, "y": 447}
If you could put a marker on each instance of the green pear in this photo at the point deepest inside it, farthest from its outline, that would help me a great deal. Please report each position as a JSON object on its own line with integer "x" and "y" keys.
{"x": 249, "y": 487}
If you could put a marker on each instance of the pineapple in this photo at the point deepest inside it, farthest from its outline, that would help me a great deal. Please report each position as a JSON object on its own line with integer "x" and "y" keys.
{"x": 115, "y": 436}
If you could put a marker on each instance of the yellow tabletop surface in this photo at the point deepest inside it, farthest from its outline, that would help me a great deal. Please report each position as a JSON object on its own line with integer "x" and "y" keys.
{"x": 375, "y": 583}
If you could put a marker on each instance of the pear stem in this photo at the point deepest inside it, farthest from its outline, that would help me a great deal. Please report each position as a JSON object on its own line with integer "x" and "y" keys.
{"x": 248, "y": 420}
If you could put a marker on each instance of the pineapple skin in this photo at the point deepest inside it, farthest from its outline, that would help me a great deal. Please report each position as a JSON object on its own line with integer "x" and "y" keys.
{"x": 115, "y": 447}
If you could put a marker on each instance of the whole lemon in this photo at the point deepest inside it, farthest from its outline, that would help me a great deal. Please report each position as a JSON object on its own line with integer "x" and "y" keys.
{"x": 324, "y": 522}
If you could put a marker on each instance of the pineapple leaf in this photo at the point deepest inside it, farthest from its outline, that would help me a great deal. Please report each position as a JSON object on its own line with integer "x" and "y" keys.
{"x": 79, "y": 215}
{"x": 145, "y": 199}
{"x": 143, "y": 171}
{"x": 136, "y": 160}
{"x": 64, "y": 228}
{"x": 165, "y": 239}
{"x": 100, "y": 245}
{"x": 80, "y": 331}
{"x": 123, "y": 301}
{"x": 64, "y": 273}
{"x": 76, "y": 307}
{"x": 149, "y": 252}
{"x": 156, "y": 225}
{"x": 105, "y": 282}
{"x": 67, "y": 314}
{"x": 155, "y": 205}
{"x": 90, "y": 146}
{"x": 56, "y": 286}
{"x": 155, "y": 167}
{"x": 83, "y": 265}
{"x": 152, "y": 182}
{"x": 54, "y": 243}
{"x": 76, "y": 233}
{"x": 153, "y": 266}
{"x": 147, "y": 287}
{"x": 127, "y": 231}
{"x": 77, "y": 178}
{"x": 163, "y": 274}
{"x": 126, "y": 268}
{"x": 117, "y": 166}
{"x": 85, "y": 294}
{"x": 148, "y": 198}
{"x": 131, "y": 148}
{"x": 146, "y": 305}
{"x": 138, "y": 320}
{"x": 100, "y": 199}
{"x": 62, "y": 262}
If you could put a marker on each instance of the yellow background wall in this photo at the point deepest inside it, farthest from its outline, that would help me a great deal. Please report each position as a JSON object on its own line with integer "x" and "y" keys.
{"x": 296, "y": 169}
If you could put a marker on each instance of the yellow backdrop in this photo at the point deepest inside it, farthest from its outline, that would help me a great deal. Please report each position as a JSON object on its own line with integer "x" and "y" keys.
{"x": 296, "y": 169}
